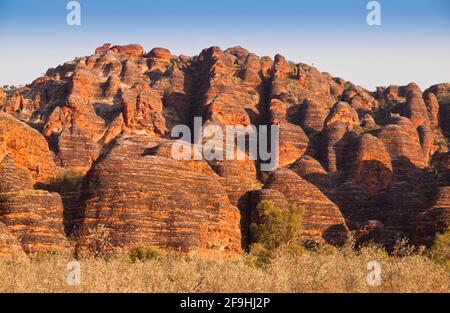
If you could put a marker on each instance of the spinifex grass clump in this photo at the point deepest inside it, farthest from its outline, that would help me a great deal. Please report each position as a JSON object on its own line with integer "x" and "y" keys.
{"x": 145, "y": 253}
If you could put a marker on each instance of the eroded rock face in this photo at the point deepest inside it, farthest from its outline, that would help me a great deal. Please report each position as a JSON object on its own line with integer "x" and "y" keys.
{"x": 444, "y": 170}
{"x": 416, "y": 109}
{"x": 432, "y": 105}
{"x": 322, "y": 220}
{"x": 360, "y": 99}
{"x": 342, "y": 111}
{"x": 156, "y": 201}
{"x": 373, "y": 168}
{"x": 133, "y": 50}
{"x": 161, "y": 54}
{"x": 142, "y": 110}
{"x": 91, "y": 100}
{"x": 379, "y": 156}
{"x": 27, "y": 147}
{"x": 75, "y": 149}
{"x": 442, "y": 93}
{"x": 33, "y": 217}
{"x": 2, "y": 96}
{"x": 333, "y": 143}
{"x": 402, "y": 143}
{"x": 293, "y": 141}
{"x": 313, "y": 115}
{"x": 311, "y": 170}
{"x": 434, "y": 220}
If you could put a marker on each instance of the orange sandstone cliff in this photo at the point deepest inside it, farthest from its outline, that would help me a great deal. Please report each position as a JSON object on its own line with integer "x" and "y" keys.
{"x": 87, "y": 147}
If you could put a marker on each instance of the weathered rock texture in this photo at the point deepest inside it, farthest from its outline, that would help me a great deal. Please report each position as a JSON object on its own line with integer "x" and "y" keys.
{"x": 322, "y": 220}
{"x": 34, "y": 217}
{"x": 160, "y": 204}
{"x": 98, "y": 131}
{"x": 27, "y": 147}
{"x": 373, "y": 167}
{"x": 311, "y": 170}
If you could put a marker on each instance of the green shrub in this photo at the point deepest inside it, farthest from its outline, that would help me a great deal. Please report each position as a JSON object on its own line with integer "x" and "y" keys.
{"x": 277, "y": 226}
{"x": 145, "y": 253}
{"x": 67, "y": 182}
{"x": 278, "y": 229}
{"x": 440, "y": 250}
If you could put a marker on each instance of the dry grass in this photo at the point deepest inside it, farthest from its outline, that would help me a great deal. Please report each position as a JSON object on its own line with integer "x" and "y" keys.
{"x": 326, "y": 270}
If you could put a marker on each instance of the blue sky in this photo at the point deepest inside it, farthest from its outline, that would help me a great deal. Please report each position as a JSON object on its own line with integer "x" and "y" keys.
{"x": 412, "y": 44}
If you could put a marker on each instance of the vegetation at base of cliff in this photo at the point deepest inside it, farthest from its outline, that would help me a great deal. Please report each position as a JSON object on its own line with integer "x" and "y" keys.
{"x": 278, "y": 229}
{"x": 325, "y": 269}
{"x": 145, "y": 253}
{"x": 277, "y": 262}
{"x": 440, "y": 251}
{"x": 67, "y": 182}
{"x": 151, "y": 253}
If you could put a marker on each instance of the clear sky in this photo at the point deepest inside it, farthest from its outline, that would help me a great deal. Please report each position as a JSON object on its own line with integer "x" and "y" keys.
{"x": 412, "y": 44}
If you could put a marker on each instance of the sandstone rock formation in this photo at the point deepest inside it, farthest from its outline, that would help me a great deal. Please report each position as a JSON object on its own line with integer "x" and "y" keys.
{"x": 312, "y": 115}
{"x": 437, "y": 217}
{"x": 311, "y": 170}
{"x": 342, "y": 111}
{"x": 372, "y": 162}
{"x": 334, "y": 140}
{"x": 322, "y": 220}
{"x": 27, "y": 147}
{"x": 132, "y": 50}
{"x": 160, "y": 204}
{"x": 360, "y": 99}
{"x": 373, "y": 167}
{"x": 441, "y": 93}
{"x": 434, "y": 220}
{"x": 2, "y": 95}
{"x": 402, "y": 143}
{"x": 34, "y": 217}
